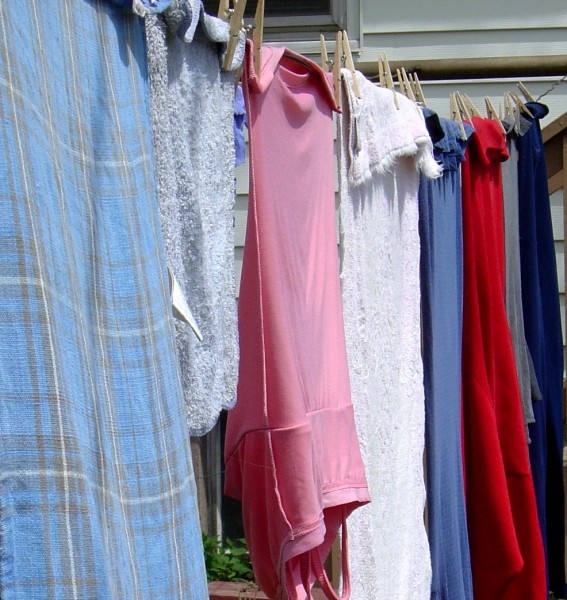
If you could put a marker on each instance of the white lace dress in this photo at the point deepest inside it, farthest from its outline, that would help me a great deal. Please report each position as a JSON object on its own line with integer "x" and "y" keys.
{"x": 382, "y": 151}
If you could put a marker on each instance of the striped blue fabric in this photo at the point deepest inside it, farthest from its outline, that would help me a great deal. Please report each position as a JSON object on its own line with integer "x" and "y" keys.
{"x": 148, "y": 6}
{"x": 97, "y": 493}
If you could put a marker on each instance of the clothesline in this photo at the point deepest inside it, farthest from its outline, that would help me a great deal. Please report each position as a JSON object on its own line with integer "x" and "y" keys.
{"x": 556, "y": 84}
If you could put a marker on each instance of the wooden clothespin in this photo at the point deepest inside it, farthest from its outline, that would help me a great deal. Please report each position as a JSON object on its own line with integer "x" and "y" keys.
{"x": 381, "y": 73}
{"x": 490, "y": 110}
{"x": 452, "y": 108}
{"x": 508, "y": 109}
{"x": 401, "y": 82}
{"x": 337, "y": 62}
{"x": 408, "y": 90}
{"x": 456, "y": 114}
{"x": 235, "y": 27}
{"x": 471, "y": 106}
{"x": 224, "y": 10}
{"x": 492, "y": 114}
{"x": 324, "y": 54}
{"x": 520, "y": 104}
{"x": 462, "y": 108}
{"x": 385, "y": 74}
{"x": 257, "y": 35}
{"x": 514, "y": 110}
{"x": 417, "y": 89}
{"x": 349, "y": 63}
{"x": 526, "y": 92}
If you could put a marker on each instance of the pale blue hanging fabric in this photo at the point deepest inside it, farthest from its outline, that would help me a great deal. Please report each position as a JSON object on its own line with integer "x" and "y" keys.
{"x": 239, "y": 124}
{"x": 527, "y": 380}
{"x": 97, "y": 493}
{"x": 440, "y": 228}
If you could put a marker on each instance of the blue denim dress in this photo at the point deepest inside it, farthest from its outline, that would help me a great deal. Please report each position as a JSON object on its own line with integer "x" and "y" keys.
{"x": 440, "y": 228}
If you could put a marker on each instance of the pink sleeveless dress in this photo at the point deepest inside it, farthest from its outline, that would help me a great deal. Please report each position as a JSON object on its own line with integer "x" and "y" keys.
{"x": 291, "y": 450}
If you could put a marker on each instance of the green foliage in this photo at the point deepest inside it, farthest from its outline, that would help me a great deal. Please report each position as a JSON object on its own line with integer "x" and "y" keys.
{"x": 227, "y": 562}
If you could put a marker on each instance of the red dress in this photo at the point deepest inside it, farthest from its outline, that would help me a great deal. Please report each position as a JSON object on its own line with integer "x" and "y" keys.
{"x": 506, "y": 547}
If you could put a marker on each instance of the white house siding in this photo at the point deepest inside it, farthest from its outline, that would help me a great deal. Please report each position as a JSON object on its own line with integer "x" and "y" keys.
{"x": 444, "y": 29}
{"x": 437, "y": 92}
{"x": 556, "y": 200}
{"x": 410, "y": 32}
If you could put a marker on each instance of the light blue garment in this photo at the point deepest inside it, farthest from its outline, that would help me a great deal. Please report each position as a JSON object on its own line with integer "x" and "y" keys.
{"x": 239, "y": 124}
{"x": 97, "y": 493}
{"x": 440, "y": 227}
{"x": 143, "y": 7}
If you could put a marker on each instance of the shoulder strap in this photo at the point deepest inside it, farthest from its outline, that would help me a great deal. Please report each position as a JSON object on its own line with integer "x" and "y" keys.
{"x": 320, "y": 573}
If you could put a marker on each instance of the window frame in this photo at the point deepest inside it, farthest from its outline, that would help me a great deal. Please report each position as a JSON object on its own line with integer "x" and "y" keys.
{"x": 301, "y": 33}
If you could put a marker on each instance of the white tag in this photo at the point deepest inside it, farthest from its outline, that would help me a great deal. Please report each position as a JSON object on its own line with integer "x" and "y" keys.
{"x": 181, "y": 309}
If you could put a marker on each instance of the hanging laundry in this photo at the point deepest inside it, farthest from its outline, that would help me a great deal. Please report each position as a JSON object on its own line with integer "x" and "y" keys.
{"x": 291, "y": 449}
{"x": 382, "y": 150}
{"x": 192, "y": 116}
{"x": 144, "y": 7}
{"x": 239, "y": 124}
{"x": 542, "y": 324}
{"x": 505, "y": 541}
{"x": 441, "y": 235}
{"x": 97, "y": 493}
{"x": 529, "y": 389}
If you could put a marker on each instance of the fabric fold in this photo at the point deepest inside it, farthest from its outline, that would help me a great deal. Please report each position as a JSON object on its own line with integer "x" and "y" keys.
{"x": 291, "y": 449}
{"x": 505, "y": 539}
{"x": 441, "y": 237}
{"x": 97, "y": 491}
{"x": 529, "y": 389}
{"x": 382, "y": 150}
{"x": 192, "y": 121}
{"x": 542, "y": 325}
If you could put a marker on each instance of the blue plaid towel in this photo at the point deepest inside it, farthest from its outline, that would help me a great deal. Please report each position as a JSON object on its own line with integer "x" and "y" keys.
{"x": 97, "y": 494}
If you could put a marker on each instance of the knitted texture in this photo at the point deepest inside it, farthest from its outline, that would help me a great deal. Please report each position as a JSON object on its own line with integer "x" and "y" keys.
{"x": 192, "y": 116}
{"x": 381, "y": 152}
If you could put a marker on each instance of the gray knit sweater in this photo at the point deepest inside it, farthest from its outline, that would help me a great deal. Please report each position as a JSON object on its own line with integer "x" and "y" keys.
{"x": 192, "y": 118}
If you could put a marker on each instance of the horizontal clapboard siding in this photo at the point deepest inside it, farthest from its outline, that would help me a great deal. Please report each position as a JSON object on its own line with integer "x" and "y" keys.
{"x": 240, "y": 216}
{"x": 241, "y": 211}
{"x": 556, "y": 200}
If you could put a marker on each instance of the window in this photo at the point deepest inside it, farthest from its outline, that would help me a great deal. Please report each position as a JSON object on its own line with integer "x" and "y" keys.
{"x": 301, "y": 21}
{"x": 280, "y": 9}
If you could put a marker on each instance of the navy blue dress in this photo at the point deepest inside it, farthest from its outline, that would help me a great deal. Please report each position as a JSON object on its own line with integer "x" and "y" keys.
{"x": 542, "y": 322}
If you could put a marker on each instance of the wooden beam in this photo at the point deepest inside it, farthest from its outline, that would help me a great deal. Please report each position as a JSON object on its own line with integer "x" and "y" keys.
{"x": 554, "y": 128}
{"x": 468, "y": 68}
{"x": 555, "y": 182}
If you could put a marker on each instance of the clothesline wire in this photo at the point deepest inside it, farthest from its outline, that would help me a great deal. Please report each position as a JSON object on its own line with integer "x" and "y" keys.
{"x": 557, "y": 83}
